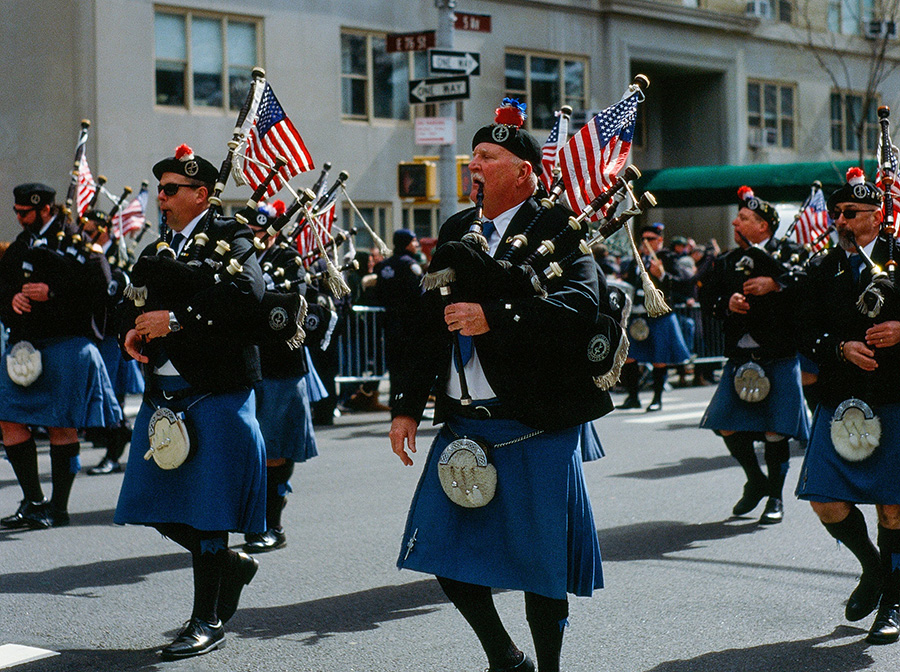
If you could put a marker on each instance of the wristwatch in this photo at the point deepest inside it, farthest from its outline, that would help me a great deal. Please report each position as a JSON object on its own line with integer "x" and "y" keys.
{"x": 174, "y": 324}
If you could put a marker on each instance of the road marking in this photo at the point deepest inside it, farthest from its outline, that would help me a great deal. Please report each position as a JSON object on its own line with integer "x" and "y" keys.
{"x": 652, "y": 418}
{"x": 16, "y": 654}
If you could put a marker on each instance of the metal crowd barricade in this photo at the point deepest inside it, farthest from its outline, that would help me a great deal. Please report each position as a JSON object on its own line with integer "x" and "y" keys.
{"x": 360, "y": 346}
{"x": 709, "y": 337}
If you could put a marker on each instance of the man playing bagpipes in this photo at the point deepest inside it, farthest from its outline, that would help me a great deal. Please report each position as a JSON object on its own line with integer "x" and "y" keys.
{"x": 849, "y": 321}
{"x": 759, "y": 397}
{"x": 196, "y": 468}
{"x": 502, "y": 499}
{"x": 54, "y": 304}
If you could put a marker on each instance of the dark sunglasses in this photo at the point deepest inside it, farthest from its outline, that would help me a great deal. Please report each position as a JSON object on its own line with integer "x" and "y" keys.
{"x": 172, "y": 188}
{"x": 848, "y": 213}
{"x": 21, "y": 212}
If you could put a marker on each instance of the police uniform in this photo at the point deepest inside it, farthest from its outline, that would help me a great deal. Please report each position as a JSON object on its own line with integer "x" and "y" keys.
{"x": 759, "y": 397}
{"x": 537, "y": 534}
{"x": 72, "y": 389}
{"x": 855, "y": 460}
{"x": 204, "y": 371}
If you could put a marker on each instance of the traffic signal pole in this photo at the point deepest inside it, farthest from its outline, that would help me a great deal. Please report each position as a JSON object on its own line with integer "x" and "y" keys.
{"x": 447, "y": 154}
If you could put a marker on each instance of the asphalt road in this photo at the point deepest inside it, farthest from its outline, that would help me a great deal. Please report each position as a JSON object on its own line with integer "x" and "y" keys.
{"x": 688, "y": 587}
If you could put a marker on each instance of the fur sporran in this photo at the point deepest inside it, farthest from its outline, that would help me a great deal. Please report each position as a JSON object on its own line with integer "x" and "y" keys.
{"x": 855, "y": 430}
{"x": 751, "y": 383}
{"x": 23, "y": 363}
{"x": 466, "y": 474}
{"x": 170, "y": 439}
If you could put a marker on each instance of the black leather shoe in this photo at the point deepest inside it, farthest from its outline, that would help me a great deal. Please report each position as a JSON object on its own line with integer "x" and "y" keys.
{"x": 753, "y": 494}
{"x": 38, "y": 517}
{"x": 865, "y": 597}
{"x": 524, "y": 665}
{"x": 631, "y": 401}
{"x": 655, "y": 405}
{"x": 239, "y": 573}
{"x": 106, "y": 466}
{"x": 196, "y": 638}
{"x": 886, "y": 628}
{"x": 17, "y": 520}
{"x": 267, "y": 541}
{"x": 773, "y": 513}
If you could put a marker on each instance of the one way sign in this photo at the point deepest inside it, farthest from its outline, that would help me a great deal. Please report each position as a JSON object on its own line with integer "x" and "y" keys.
{"x": 455, "y": 61}
{"x": 437, "y": 89}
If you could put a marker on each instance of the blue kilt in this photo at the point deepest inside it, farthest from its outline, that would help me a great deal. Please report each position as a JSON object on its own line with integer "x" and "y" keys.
{"x": 590, "y": 443}
{"x": 536, "y": 535}
{"x": 124, "y": 374}
{"x": 827, "y": 477}
{"x": 315, "y": 387}
{"x": 73, "y": 390}
{"x": 282, "y": 409}
{"x": 783, "y": 411}
{"x": 223, "y": 486}
{"x": 664, "y": 345}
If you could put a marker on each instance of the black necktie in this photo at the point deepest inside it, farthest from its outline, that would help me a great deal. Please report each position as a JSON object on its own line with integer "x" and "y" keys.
{"x": 856, "y": 263}
{"x": 488, "y": 228}
{"x": 177, "y": 240}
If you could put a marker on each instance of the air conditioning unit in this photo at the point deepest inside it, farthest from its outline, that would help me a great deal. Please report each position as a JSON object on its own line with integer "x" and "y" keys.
{"x": 755, "y": 138}
{"x": 759, "y": 8}
{"x": 876, "y": 30}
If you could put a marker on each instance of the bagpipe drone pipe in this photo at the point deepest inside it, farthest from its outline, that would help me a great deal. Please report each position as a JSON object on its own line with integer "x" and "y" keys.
{"x": 463, "y": 271}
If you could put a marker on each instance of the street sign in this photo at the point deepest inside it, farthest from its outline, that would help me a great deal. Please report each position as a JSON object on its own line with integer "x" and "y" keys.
{"x": 454, "y": 61}
{"x": 437, "y": 89}
{"x": 479, "y": 23}
{"x": 420, "y": 41}
{"x": 435, "y": 130}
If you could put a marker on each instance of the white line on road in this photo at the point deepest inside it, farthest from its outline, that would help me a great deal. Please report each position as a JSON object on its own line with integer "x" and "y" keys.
{"x": 652, "y": 418}
{"x": 16, "y": 654}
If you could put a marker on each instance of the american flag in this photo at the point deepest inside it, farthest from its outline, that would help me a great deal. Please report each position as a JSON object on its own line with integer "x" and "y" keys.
{"x": 130, "y": 219}
{"x": 272, "y": 135}
{"x": 813, "y": 220}
{"x": 323, "y": 220}
{"x": 895, "y": 188}
{"x": 548, "y": 154}
{"x": 592, "y": 159}
{"x": 86, "y": 186}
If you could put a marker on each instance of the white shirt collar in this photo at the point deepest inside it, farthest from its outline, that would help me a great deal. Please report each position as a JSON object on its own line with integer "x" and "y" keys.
{"x": 501, "y": 223}
{"x": 188, "y": 230}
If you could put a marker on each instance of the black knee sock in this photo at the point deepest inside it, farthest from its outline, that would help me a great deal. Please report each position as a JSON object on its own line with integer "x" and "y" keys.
{"x": 740, "y": 445}
{"x": 777, "y": 455}
{"x": 64, "y": 464}
{"x": 889, "y": 545}
{"x": 276, "y": 493}
{"x": 631, "y": 378}
{"x": 660, "y": 373}
{"x": 853, "y": 534}
{"x": 23, "y": 458}
{"x": 209, "y": 565}
{"x": 477, "y": 606}
{"x": 547, "y": 621}
{"x": 119, "y": 436}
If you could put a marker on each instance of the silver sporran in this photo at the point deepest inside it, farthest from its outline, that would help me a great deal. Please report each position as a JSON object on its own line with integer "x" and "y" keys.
{"x": 23, "y": 363}
{"x": 639, "y": 329}
{"x": 467, "y": 476}
{"x": 170, "y": 441}
{"x": 751, "y": 383}
{"x": 855, "y": 430}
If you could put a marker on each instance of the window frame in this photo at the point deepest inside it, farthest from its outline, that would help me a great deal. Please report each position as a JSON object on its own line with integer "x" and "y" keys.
{"x": 841, "y": 127}
{"x": 349, "y": 218}
{"x": 225, "y": 18}
{"x": 780, "y": 117}
{"x": 564, "y": 99}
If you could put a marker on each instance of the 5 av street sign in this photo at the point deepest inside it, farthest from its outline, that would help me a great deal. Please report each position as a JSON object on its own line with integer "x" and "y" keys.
{"x": 437, "y": 89}
{"x": 454, "y": 61}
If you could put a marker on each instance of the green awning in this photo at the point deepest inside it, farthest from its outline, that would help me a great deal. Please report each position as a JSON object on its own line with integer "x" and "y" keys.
{"x": 696, "y": 186}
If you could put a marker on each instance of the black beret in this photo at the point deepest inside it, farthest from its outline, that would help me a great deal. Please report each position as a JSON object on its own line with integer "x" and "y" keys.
{"x": 507, "y": 132}
{"x": 189, "y": 165}
{"x": 402, "y": 238}
{"x": 768, "y": 213}
{"x": 34, "y": 194}
{"x": 856, "y": 190}
{"x": 97, "y": 216}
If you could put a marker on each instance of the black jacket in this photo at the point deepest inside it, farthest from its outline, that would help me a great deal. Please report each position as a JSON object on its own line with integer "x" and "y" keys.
{"x": 525, "y": 357}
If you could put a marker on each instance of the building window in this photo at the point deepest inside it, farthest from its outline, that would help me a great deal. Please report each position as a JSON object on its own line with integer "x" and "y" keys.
{"x": 785, "y": 10}
{"x": 545, "y": 83}
{"x": 422, "y": 219}
{"x": 204, "y": 60}
{"x": 849, "y": 16}
{"x": 374, "y": 83}
{"x": 770, "y": 115}
{"x": 846, "y": 113}
{"x": 377, "y": 215}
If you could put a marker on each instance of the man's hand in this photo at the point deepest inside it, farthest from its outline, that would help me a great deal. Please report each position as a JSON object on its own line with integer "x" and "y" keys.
{"x": 36, "y": 291}
{"x": 403, "y": 433}
{"x": 154, "y": 324}
{"x": 738, "y": 304}
{"x": 760, "y": 286}
{"x": 656, "y": 268}
{"x": 21, "y": 304}
{"x": 133, "y": 346}
{"x": 857, "y": 353}
{"x": 883, "y": 335}
{"x": 466, "y": 318}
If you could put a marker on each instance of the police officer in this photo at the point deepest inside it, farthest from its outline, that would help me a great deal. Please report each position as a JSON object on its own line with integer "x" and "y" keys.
{"x": 190, "y": 334}
{"x": 53, "y": 299}
{"x": 853, "y": 455}
{"x": 759, "y": 397}
{"x": 537, "y": 533}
